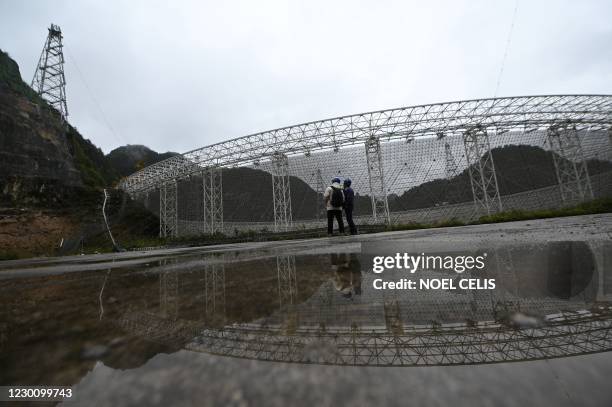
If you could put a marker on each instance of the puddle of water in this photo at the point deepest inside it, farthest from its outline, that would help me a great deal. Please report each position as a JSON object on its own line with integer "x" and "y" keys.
{"x": 550, "y": 300}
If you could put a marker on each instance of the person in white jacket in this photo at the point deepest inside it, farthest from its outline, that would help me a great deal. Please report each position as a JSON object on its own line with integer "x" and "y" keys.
{"x": 334, "y": 199}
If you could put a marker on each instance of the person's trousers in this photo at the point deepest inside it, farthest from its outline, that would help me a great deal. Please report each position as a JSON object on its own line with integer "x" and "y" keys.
{"x": 331, "y": 214}
{"x": 349, "y": 219}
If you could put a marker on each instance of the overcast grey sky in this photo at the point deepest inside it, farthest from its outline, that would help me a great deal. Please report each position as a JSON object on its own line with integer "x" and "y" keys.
{"x": 178, "y": 75}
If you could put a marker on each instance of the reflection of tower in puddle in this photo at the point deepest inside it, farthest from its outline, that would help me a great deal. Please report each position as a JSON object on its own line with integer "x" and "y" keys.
{"x": 168, "y": 292}
{"x": 287, "y": 291}
{"x": 412, "y": 327}
{"x": 214, "y": 293}
{"x": 602, "y": 256}
{"x": 393, "y": 319}
{"x": 507, "y": 294}
{"x": 547, "y": 278}
{"x": 393, "y": 312}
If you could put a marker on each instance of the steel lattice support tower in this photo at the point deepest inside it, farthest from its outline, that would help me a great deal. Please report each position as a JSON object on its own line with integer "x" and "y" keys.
{"x": 49, "y": 80}
{"x": 451, "y": 165}
{"x": 320, "y": 189}
{"x": 378, "y": 191}
{"x": 281, "y": 193}
{"x": 570, "y": 165}
{"x": 212, "y": 186}
{"x": 451, "y": 170}
{"x": 168, "y": 209}
{"x": 481, "y": 169}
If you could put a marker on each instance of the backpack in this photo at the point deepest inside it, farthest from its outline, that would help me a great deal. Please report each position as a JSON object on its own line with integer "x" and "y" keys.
{"x": 337, "y": 197}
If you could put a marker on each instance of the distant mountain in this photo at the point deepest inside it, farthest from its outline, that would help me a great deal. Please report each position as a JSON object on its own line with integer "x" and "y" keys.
{"x": 519, "y": 168}
{"x": 128, "y": 159}
{"x": 247, "y": 197}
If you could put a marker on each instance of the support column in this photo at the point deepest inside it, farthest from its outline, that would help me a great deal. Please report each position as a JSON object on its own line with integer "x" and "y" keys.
{"x": 378, "y": 191}
{"x": 451, "y": 165}
{"x": 570, "y": 165}
{"x": 168, "y": 204}
{"x": 212, "y": 185}
{"x": 281, "y": 193}
{"x": 320, "y": 188}
{"x": 481, "y": 169}
{"x": 452, "y": 193}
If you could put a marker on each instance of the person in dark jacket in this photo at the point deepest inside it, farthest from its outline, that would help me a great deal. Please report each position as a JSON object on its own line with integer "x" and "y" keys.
{"x": 349, "y": 204}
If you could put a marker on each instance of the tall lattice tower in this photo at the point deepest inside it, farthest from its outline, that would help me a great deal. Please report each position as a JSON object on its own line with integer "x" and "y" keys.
{"x": 451, "y": 165}
{"x": 49, "y": 81}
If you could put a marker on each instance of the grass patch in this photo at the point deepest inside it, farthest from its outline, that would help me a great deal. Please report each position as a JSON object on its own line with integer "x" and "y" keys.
{"x": 447, "y": 223}
{"x": 603, "y": 205}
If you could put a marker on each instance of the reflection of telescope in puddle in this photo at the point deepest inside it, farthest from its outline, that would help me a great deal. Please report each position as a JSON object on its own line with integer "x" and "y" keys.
{"x": 212, "y": 283}
{"x": 389, "y": 328}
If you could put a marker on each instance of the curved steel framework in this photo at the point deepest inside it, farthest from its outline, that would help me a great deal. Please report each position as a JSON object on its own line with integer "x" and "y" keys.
{"x": 473, "y": 121}
{"x": 374, "y": 333}
{"x": 524, "y": 112}
{"x": 567, "y": 334}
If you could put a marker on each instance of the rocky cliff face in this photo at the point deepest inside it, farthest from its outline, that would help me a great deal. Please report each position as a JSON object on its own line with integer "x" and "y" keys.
{"x": 42, "y": 160}
{"x": 34, "y": 152}
{"x": 50, "y": 176}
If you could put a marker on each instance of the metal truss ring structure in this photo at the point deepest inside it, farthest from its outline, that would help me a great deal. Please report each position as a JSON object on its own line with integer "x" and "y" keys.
{"x": 566, "y": 334}
{"x": 473, "y": 121}
{"x": 524, "y": 113}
